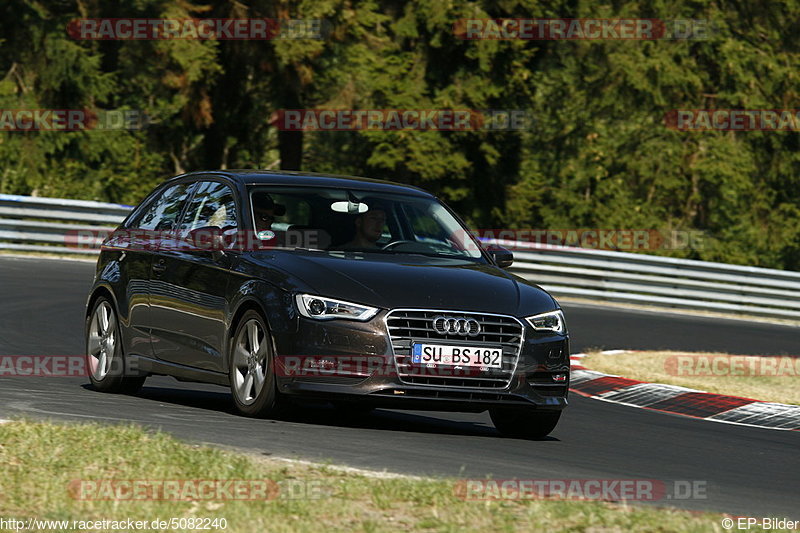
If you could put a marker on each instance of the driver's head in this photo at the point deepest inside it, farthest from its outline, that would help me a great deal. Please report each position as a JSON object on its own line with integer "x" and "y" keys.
{"x": 265, "y": 210}
{"x": 369, "y": 226}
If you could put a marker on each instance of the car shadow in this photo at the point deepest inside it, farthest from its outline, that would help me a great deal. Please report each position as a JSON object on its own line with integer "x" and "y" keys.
{"x": 324, "y": 414}
{"x": 389, "y": 420}
{"x": 195, "y": 398}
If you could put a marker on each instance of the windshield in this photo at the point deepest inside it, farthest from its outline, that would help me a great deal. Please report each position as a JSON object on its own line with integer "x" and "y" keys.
{"x": 359, "y": 221}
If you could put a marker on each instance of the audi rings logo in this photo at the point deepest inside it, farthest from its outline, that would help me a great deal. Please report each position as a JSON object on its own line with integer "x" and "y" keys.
{"x": 448, "y": 325}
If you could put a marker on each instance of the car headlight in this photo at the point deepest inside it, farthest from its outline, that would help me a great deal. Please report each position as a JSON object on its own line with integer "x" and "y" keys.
{"x": 551, "y": 321}
{"x": 321, "y": 308}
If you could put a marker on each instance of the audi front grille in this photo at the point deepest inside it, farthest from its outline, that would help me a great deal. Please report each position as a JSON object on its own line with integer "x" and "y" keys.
{"x": 409, "y": 326}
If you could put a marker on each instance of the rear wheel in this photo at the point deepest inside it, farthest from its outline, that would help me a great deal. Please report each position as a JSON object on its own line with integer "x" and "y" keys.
{"x": 251, "y": 371}
{"x": 524, "y": 423}
{"x": 104, "y": 357}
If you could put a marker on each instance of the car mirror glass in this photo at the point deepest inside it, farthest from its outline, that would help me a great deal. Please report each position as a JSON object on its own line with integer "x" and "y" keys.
{"x": 351, "y": 208}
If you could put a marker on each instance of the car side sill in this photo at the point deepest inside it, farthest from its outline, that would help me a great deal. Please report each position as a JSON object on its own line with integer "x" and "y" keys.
{"x": 179, "y": 372}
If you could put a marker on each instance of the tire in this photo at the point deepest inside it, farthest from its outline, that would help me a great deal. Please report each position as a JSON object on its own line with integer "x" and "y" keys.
{"x": 105, "y": 359}
{"x": 251, "y": 368}
{"x": 525, "y": 423}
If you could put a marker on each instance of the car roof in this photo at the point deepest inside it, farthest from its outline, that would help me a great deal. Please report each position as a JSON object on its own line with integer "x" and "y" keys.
{"x": 312, "y": 179}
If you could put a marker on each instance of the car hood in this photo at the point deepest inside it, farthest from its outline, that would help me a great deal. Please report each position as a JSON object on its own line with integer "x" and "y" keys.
{"x": 392, "y": 281}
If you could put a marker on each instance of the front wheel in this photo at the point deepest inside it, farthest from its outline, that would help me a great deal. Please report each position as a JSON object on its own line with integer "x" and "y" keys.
{"x": 524, "y": 423}
{"x": 104, "y": 356}
{"x": 251, "y": 371}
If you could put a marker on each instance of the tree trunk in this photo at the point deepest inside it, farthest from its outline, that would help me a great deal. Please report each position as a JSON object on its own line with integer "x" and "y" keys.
{"x": 290, "y": 143}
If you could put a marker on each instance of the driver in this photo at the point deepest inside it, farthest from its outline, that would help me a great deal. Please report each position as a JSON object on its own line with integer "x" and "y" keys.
{"x": 369, "y": 227}
{"x": 265, "y": 210}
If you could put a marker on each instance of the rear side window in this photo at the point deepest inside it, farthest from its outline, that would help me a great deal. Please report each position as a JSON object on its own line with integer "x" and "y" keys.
{"x": 290, "y": 210}
{"x": 163, "y": 212}
{"x": 213, "y": 205}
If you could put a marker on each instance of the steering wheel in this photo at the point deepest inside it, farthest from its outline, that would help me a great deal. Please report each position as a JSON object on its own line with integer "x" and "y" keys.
{"x": 396, "y": 243}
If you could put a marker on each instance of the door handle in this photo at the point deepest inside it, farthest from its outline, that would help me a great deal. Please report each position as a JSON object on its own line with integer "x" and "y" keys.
{"x": 160, "y": 267}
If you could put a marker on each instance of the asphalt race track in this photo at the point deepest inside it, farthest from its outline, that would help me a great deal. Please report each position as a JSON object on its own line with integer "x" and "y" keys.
{"x": 747, "y": 471}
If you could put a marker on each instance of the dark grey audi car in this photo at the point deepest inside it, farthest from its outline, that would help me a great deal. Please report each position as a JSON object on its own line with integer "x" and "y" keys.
{"x": 358, "y": 292}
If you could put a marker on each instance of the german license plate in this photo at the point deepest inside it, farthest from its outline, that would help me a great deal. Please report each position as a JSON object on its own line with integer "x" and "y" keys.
{"x": 443, "y": 354}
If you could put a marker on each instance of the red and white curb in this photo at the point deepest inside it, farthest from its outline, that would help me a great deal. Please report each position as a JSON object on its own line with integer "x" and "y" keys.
{"x": 680, "y": 400}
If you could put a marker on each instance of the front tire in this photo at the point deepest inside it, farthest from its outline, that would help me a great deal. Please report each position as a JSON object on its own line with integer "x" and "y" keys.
{"x": 251, "y": 370}
{"x": 525, "y": 423}
{"x": 105, "y": 360}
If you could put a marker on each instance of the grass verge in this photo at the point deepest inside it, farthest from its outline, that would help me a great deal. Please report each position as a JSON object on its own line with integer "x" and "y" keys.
{"x": 766, "y": 378}
{"x": 41, "y": 460}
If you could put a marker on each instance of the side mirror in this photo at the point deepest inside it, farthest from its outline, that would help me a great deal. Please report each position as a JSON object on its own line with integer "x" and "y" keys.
{"x": 208, "y": 239}
{"x": 501, "y": 256}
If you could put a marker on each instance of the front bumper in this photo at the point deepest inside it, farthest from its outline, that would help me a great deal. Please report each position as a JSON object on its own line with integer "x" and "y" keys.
{"x": 355, "y": 362}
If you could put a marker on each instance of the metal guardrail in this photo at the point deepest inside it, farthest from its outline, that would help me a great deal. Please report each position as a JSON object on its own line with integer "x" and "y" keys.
{"x": 655, "y": 280}
{"x": 33, "y": 224}
{"x": 46, "y": 224}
